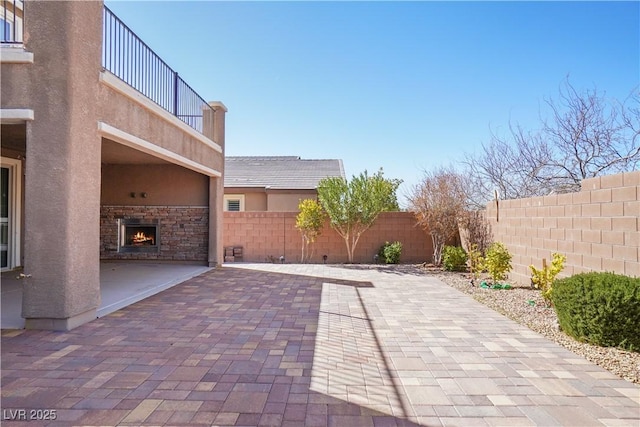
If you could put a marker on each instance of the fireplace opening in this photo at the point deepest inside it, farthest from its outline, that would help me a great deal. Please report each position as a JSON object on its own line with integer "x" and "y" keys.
{"x": 138, "y": 236}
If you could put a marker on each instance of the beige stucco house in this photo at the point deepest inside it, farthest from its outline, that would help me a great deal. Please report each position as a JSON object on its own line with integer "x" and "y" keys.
{"x": 100, "y": 138}
{"x": 274, "y": 183}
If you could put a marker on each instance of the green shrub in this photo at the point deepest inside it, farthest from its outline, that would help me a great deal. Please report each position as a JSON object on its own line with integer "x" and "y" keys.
{"x": 454, "y": 258}
{"x": 543, "y": 279}
{"x": 390, "y": 252}
{"x": 497, "y": 262}
{"x": 599, "y": 308}
{"x": 476, "y": 263}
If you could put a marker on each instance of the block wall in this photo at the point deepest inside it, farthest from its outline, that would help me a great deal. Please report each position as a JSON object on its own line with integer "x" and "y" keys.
{"x": 268, "y": 235}
{"x": 597, "y": 228}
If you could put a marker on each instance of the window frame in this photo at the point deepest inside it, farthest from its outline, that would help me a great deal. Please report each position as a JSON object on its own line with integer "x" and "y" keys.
{"x": 239, "y": 198}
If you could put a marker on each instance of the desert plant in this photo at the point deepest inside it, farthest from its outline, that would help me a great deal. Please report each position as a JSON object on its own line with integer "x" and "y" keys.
{"x": 309, "y": 221}
{"x": 497, "y": 262}
{"x": 599, "y": 308}
{"x": 454, "y": 258}
{"x": 476, "y": 230}
{"x": 543, "y": 279}
{"x": 476, "y": 263}
{"x": 437, "y": 202}
{"x": 353, "y": 206}
{"x": 390, "y": 252}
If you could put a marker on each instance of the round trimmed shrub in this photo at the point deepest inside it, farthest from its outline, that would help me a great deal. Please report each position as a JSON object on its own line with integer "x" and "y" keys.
{"x": 454, "y": 258}
{"x": 599, "y": 308}
{"x": 390, "y": 252}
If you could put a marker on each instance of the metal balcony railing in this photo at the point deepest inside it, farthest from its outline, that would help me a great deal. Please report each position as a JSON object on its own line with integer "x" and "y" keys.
{"x": 11, "y": 21}
{"x": 125, "y": 55}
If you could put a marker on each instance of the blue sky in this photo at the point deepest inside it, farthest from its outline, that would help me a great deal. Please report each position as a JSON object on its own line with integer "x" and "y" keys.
{"x": 405, "y": 86}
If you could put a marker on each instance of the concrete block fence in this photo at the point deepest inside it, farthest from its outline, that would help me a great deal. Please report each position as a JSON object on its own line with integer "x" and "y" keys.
{"x": 597, "y": 228}
{"x": 268, "y": 235}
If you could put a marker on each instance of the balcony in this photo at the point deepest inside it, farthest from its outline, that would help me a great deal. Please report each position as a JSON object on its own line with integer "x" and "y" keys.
{"x": 129, "y": 58}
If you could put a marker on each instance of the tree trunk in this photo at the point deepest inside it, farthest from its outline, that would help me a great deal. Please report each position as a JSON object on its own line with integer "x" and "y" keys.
{"x": 349, "y": 250}
{"x": 437, "y": 249}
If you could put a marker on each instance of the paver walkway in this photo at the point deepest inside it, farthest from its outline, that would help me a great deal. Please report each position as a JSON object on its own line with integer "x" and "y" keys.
{"x": 307, "y": 345}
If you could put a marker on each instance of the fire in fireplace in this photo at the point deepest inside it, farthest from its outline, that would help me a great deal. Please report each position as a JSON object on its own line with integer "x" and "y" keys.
{"x": 138, "y": 236}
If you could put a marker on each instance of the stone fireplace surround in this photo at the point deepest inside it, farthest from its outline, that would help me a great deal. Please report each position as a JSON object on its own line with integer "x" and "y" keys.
{"x": 184, "y": 232}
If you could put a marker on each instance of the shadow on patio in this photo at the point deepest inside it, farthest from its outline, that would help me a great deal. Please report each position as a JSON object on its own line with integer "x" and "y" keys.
{"x": 234, "y": 346}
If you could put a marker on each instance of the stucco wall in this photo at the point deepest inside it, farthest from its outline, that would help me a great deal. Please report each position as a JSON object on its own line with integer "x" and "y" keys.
{"x": 135, "y": 118}
{"x": 272, "y": 234}
{"x": 259, "y": 200}
{"x": 288, "y": 201}
{"x": 163, "y": 185}
{"x": 62, "y": 170}
{"x": 598, "y": 228}
{"x": 71, "y": 106}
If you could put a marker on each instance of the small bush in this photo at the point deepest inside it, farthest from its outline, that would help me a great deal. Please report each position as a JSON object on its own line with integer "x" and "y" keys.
{"x": 476, "y": 263}
{"x": 599, "y": 308}
{"x": 543, "y": 279}
{"x": 497, "y": 262}
{"x": 390, "y": 252}
{"x": 454, "y": 258}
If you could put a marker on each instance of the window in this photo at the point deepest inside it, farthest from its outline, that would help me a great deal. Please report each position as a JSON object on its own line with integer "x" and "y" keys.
{"x": 234, "y": 202}
{"x": 5, "y": 28}
{"x": 11, "y": 21}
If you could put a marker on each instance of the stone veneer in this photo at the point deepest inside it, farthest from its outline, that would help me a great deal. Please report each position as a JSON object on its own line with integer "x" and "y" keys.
{"x": 184, "y": 232}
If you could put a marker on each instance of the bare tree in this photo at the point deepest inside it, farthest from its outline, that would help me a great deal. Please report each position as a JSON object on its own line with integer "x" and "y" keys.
{"x": 585, "y": 135}
{"x": 437, "y": 202}
{"x": 513, "y": 167}
{"x": 588, "y": 136}
{"x": 475, "y": 230}
{"x": 630, "y": 118}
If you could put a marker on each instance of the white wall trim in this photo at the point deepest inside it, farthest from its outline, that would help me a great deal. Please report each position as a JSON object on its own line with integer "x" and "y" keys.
{"x": 123, "y": 88}
{"x": 140, "y": 144}
{"x": 10, "y": 116}
{"x": 15, "y": 55}
{"x": 15, "y": 212}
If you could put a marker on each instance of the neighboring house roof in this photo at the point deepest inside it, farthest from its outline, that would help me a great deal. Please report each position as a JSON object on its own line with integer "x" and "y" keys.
{"x": 279, "y": 172}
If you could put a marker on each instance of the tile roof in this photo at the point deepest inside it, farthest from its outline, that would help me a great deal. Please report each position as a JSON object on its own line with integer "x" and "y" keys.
{"x": 279, "y": 172}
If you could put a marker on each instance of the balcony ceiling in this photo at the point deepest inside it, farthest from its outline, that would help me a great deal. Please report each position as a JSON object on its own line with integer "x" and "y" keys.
{"x": 114, "y": 153}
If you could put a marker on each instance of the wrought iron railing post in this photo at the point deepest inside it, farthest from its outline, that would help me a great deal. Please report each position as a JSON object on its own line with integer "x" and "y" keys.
{"x": 175, "y": 93}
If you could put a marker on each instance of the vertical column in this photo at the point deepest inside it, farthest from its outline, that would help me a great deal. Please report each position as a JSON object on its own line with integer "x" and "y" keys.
{"x": 62, "y": 183}
{"x": 216, "y": 188}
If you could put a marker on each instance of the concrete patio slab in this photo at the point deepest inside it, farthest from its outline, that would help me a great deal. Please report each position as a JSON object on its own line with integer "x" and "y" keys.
{"x": 308, "y": 345}
{"x": 121, "y": 284}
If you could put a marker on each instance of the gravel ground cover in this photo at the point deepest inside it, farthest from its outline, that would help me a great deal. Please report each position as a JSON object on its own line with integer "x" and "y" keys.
{"x": 516, "y": 304}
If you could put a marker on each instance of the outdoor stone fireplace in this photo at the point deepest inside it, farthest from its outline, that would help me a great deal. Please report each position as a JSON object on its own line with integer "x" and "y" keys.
{"x": 135, "y": 235}
{"x": 159, "y": 233}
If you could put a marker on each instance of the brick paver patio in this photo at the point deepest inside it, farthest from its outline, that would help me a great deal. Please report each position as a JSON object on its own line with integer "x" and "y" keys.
{"x": 307, "y": 345}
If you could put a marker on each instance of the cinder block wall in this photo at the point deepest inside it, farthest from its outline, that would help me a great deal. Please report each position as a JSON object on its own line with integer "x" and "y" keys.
{"x": 597, "y": 228}
{"x": 272, "y": 234}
